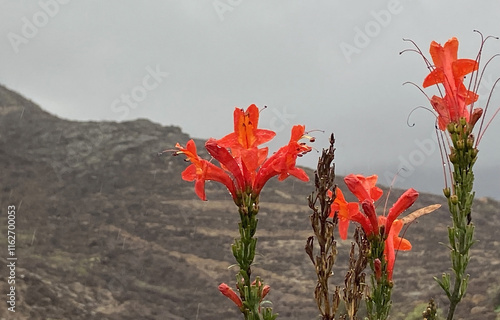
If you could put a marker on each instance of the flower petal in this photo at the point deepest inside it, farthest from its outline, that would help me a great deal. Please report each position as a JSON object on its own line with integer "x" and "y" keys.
{"x": 404, "y": 202}
{"x": 282, "y": 162}
{"x": 246, "y": 134}
{"x": 363, "y": 187}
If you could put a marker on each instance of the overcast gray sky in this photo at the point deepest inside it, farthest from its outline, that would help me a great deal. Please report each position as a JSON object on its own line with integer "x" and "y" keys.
{"x": 331, "y": 65}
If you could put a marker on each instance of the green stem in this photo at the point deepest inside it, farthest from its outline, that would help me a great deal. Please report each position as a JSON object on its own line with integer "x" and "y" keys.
{"x": 378, "y": 302}
{"x": 244, "y": 253}
{"x": 461, "y": 235}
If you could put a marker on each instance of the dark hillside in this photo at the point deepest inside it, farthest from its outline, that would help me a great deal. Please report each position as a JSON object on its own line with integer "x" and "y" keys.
{"x": 106, "y": 229}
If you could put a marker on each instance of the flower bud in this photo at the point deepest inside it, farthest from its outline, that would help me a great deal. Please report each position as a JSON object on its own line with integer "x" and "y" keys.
{"x": 265, "y": 291}
{"x": 463, "y": 121}
{"x": 451, "y": 127}
{"x": 454, "y": 199}
{"x": 460, "y": 144}
{"x": 453, "y": 157}
{"x": 470, "y": 142}
{"x": 228, "y": 292}
{"x": 382, "y": 232}
{"x": 476, "y": 114}
{"x": 447, "y": 192}
{"x": 377, "y": 265}
{"x": 474, "y": 153}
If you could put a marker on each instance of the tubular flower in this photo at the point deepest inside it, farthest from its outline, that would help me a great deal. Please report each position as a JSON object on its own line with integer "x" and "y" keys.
{"x": 372, "y": 225}
{"x": 365, "y": 223}
{"x": 450, "y": 71}
{"x": 404, "y": 202}
{"x": 201, "y": 170}
{"x": 345, "y": 211}
{"x": 229, "y": 163}
{"x": 246, "y": 137}
{"x": 368, "y": 220}
{"x": 363, "y": 187}
{"x": 369, "y": 210}
{"x": 367, "y": 192}
{"x": 228, "y": 292}
{"x": 393, "y": 243}
{"x": 282, "y": 163}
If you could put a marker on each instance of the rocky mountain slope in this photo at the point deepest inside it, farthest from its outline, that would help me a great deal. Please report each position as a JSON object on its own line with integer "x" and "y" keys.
{"x": 106, "y": 229}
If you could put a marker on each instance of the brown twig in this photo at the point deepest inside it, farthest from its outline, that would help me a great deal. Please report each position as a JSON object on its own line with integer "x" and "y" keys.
{"x": 320, "y": 203}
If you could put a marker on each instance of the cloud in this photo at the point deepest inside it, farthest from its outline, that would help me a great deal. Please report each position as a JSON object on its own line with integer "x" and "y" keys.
{"x": 288, "y": 57}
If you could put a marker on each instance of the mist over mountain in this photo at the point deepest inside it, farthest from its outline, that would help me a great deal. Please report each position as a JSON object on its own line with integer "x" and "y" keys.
{"x": 106, "y": 229}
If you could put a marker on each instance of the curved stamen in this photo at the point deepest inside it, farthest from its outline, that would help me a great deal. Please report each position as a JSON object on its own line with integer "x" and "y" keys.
{"x": 481, "y": 132}
{"x": 445, "y": 161}
{"x": 414, "y": 109}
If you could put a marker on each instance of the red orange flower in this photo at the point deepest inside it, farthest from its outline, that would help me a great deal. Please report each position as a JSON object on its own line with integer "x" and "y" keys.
{"x": 201, "y": 170}
{"x": 369, "y": 221}
{"x": 363, "y": 187}
{"x": 367, "y": 192}
{"x": 393, "y": 243}
{"x": 282, "y": 163}
{"x": 245, "y": 168}
{"x": 405, "y": 201}
{"x": 369, "y": 210}
{"x": 385, "y": 227}
{"x": 246, "y": 135}
{"x": 345, "y": 211}
{"x": 450, "y": 71}
{"x": 229, "y": 163}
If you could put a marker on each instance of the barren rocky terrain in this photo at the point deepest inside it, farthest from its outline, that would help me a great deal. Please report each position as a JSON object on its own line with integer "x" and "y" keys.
{"x": 106, "y": 229}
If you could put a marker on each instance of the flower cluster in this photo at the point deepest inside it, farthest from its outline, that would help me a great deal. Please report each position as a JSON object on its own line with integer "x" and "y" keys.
{"x": 381, "y": 232}
{"x": 382, "y": 227}
{"x": 450, "y": 72}
{"x": 244, "y": 167}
